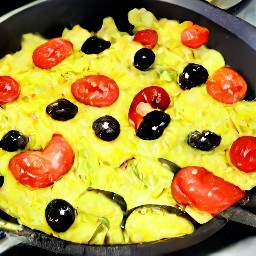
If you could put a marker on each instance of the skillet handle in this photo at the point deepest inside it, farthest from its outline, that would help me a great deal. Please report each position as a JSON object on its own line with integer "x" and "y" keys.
{"x": 249, "y": 202}
{"x": 244, "y": 211}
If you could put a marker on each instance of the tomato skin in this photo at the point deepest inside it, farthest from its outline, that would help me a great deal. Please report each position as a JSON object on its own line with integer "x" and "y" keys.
{"x": 155, "y": 96}
{"x": 147, "y": 37}
{"x": 51, "y": 53}
{"x": 9, "y": 89}
{"x": 243, "y": 153}
{"x": 226, "y": 86}
{"x": 39, "y": 169}
{"x": 95, "y": 90}
{"x": 197, "y": 187}
{"x": 194, "y": 36}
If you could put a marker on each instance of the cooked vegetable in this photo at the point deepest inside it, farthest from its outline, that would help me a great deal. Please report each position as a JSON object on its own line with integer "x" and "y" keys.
{"x": 113, "y": 196}
{"x": 147, "y": 37}
{"x": 226, "y": 85}
{"x": 62, "y": 110}
{"x": 195, "y": 186}
{"x": 102, "y": 180}
{"x": 95, "y": 45}
{"x": 9, "y": 89}
{"x": 195, "y": 36}
{"x": 167, "y": 208}
{"x": 106, "y": 128}
{"x": 95, "y": 90}
{"x": 13, "y": 141}
{"x": 40, "y": 169}
{"x": 51, "y": 53}
{"x": 242, "y": 153}
{"x": 60, "y": 215}
{"x": 146, "y": 100}
{"x": 155, "y": 222}
{"x": 144, "y": 59}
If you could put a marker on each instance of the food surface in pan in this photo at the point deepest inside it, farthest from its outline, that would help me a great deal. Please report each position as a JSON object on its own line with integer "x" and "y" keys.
{"x": 85, "y": 117}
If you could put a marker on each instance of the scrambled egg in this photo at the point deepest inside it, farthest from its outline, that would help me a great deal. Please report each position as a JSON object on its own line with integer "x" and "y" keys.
{"x": 98, "y": 163}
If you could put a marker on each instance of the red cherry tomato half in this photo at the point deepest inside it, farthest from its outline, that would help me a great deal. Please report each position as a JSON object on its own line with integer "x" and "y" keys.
{"x": 9, "y": 89}
{"x": 154, "y": 96}
{"x": 95, "y": 90}
{"x": 243, "y": 153}
{"x": 194, "y": 36}
{"x": 197, "y": 187}
{"x": 51, "y": 53}
{"x": 226, "y": 86}
{"x": 147, "y": 37}
{"x": 39, "y": 169}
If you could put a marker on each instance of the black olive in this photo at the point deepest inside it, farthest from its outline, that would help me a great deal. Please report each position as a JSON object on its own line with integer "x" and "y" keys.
{"x": 95, "y": 45}
{"x": 193, "y": 75}
{"x": 60, "y": 215}
{"x": 62, "y": 110}
{"x": 205, "y": 140}
{"x": 2, "y": 234}
{"x": 143, "y": 59}
{"x": 1, "y": 181}
{"x": 153, "y": 125}
{"x": 106, "y": 128}
{"x": 13, "y": 141}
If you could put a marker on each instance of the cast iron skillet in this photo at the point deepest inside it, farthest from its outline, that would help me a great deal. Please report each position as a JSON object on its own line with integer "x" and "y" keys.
{"x": 234, "y": 38}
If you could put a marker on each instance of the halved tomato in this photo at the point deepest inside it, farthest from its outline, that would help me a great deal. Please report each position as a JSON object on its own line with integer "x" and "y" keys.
{"x": 148, "y": 99}
{"x": 194, "y": 36}
{"x": 52, "y": 53}
{"x": 9, "y": 89}
{"x": 147, "y": 37}
{"x": 243, "y": 153}
{"x": 195, "y": 186}
{"x": 39, "y": 169}
{"x": 226, "y": 85}
{"x": 95, "y": 90}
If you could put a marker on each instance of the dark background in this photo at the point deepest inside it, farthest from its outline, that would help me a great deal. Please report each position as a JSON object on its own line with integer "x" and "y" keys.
{"x": 231, "y": 233}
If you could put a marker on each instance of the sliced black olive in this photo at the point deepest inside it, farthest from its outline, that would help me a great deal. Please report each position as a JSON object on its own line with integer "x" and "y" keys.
{"x": 106, "y": 128}
{"x": 1, "y": 181}
{"x": 60, "y": 215}
{"x": 193, "y": 75}
{"x": 167, "y": 208}
{"x": 62, "y": 110}
{"x": 95, "y": 45}
{"x": 143, "y": 59}
{"x": 113, "y": 196}
{"x": 13, "y": 141}
{"x": 153, "y": 125}
{"x": 205, "y": 140}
